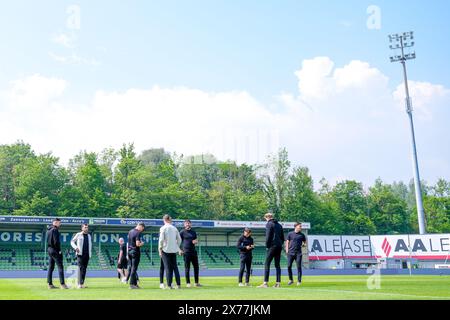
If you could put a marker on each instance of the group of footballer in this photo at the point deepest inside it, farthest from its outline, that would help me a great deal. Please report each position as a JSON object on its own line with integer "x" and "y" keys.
{"x": 183, "y": 243}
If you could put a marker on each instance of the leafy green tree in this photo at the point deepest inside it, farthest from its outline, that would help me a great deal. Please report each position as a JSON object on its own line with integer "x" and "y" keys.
{"x": 437, "y": 207}
{"x": 302, "y": 202}
{"x": 154, "y": 156}
{"x": 88, "y": 194}
{"x": 388, "y": 210}
{"x": 329, "y": 220}
{"x": 10, "y": 157}
{"x": 128, "y": 183}
{"x": 193, "y": 202}
{"x": 161, "y": 192}
{"x": 107, "y": 160}
{"x": 120, "y": 183}
{"x": 353, "y": 209}
{"x": 202, "y": 169}
{"x": 38, "y": 185}
{"x": 275, "y": 181}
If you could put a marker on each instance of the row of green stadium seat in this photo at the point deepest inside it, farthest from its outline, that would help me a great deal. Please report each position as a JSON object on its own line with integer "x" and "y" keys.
{"x": 34, "y": 257}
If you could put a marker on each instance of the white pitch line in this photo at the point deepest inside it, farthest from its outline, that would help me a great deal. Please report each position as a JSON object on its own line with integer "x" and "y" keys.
{"x": 369, "y": 292}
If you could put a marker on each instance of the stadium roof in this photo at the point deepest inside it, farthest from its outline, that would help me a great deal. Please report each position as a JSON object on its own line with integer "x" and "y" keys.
{"x": 118, "y": 222}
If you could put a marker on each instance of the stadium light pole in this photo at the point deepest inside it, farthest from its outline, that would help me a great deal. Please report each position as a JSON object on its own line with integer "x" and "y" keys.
{"x": 401, "y": 42}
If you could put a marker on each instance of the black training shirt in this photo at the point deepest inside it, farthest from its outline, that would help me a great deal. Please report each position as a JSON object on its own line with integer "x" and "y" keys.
{"x": 53, "y": 238}
{"x": 295, "y": 242}
{"x": 187, "y": 236}
{"x": 242, "y": 243}
{"x": 123, "y": 248}
{"x": 133, "y": 236}
{"x": 274, "y": 234}
{"x": 85, "y": 245}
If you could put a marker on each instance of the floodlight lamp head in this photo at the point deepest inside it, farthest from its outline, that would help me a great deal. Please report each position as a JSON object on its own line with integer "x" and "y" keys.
{"x": 410, "y": 56}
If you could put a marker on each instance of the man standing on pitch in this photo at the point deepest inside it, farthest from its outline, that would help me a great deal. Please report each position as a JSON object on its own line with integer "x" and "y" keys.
{"x": 168, "y": 247}
{"x": 55, "y": 254}
{"x": 82, "y": 244}
{"x": 189, "y": 240}
{"x": 274, "y": 245}
{"x": 245, "y": 246}
{"x": 134, "y": 252}
{"x": 295, "y": 241}
{"x": 122, "y": 262}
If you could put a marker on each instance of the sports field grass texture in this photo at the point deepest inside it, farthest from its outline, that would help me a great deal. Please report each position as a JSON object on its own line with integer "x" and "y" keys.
{"x": 225, "y": 288}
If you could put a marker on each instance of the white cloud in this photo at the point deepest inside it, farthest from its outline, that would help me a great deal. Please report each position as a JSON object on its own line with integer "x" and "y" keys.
{"x": 359, "y": 75}
{"x": 180, "y": 119}
{"x": 424, "y": 96}
{"x": 314, "y": 78}
{"x": 34, "y": 92}
{"x": 232, "y": 125}
{"x": 318, "y": 80}
{"x": 343, "y": 123}
{"x": 345, "y": 120}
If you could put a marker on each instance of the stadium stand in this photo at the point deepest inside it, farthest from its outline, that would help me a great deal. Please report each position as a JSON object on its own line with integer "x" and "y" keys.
{"x": 33, "y": 257}
{"x": 23, "y": 245}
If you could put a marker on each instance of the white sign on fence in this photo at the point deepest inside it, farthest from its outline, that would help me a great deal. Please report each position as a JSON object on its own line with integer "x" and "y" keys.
{"x": 422, "y": 247}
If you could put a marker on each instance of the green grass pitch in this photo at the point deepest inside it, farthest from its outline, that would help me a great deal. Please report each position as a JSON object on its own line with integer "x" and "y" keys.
{"x": 313, "y": 287}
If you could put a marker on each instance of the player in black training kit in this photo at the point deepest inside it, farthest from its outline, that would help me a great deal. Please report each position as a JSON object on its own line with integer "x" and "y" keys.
{"x": 189, "y": 240}
{"x": 274, "y": 245}
{"x": 295, "y": 241}
{"x": 54, "y": 254}
{"x": 122, "y": 262}
{"x": 245, "y": 246}
{"x": 134, "y": 253}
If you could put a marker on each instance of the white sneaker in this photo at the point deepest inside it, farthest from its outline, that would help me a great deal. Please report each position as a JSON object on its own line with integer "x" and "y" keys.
{"x": 188, "y": 285}
{"x": 241, "y": 284}
{"x": 248, "y": 284}
{"x": 79, "y": 286}
{"x": 299, "y": 283}
{"x": 162, "y": 286}
{"x": 264, "y": 285}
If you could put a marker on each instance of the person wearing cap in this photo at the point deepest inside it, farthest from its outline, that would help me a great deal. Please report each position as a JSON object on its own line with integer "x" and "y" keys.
{"x": 245, "y": 246}
{"x": 294, "y": 243}
{"x": 134, "y": 253}
{"x": 274, "y": 246}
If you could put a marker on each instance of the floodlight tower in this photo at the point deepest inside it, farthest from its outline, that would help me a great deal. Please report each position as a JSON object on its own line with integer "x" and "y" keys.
{"x": 402, "y": 42}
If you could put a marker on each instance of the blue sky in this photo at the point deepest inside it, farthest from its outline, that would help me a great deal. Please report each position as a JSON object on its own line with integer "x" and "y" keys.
{"x": 226, "y": 47}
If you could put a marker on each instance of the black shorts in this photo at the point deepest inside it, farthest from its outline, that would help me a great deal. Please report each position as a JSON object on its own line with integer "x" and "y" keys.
{"x": 122, "y": 264}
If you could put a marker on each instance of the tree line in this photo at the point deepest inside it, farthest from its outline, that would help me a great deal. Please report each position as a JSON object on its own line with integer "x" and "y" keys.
{"x": 122, "y": 183}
